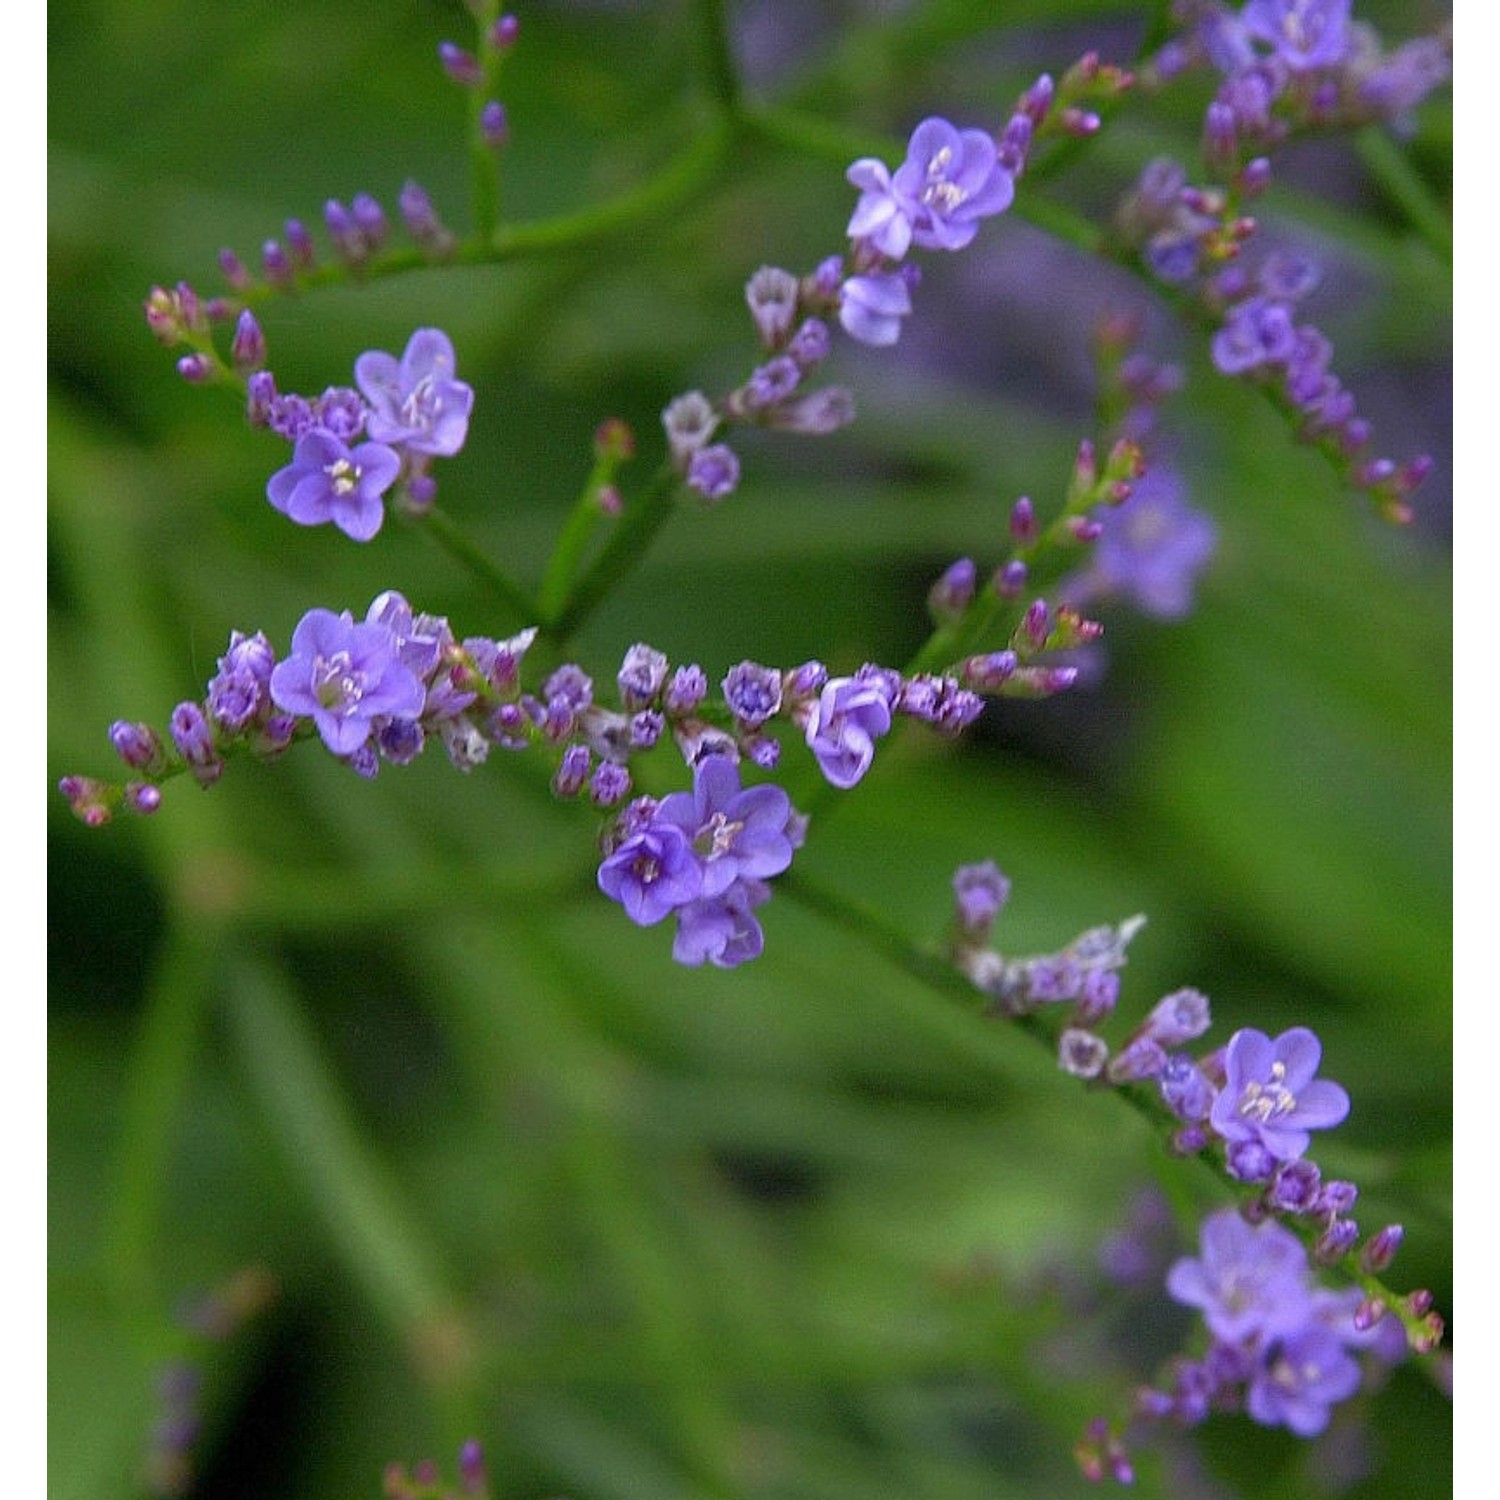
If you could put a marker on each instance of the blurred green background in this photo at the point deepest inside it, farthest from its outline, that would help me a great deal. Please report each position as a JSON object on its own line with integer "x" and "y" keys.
{"x": 808, "y": 1229}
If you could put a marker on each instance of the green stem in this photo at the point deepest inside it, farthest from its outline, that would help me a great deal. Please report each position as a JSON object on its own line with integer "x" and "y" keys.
{"x": 156, "y": 1083}
{"x": 718, "y": 55}
{"x": 446, "y": 532}
{"x": 626, "y": 545}
{"x": 582, "y": 525}
{"x": 346, "y": 1188}
{"x": 1393, "y": 172}
{"x": 484, "y": 159}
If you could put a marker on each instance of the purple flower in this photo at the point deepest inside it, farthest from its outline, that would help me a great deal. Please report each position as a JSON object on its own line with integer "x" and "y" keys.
{"x": 1151, "y": 549}
{"x": 1299, "y": 1378}
{"x": 734, "y": 833}
{"x": 345, "y": 676}
{"x": 847, "y": 719}
{"x": 753, "y": 693}
{"x": 416, "y": 402}
{"x": 950, "y": 180}
{"x": 1248, "y": 1281}
{"x": 979, "y": 891}
{"x": 721, "y": 929}
{"x": 1302, "y": 33}
{"x": 652, "y": 873}
{"x": 1257, "y": 333}
{"x": 641, "y": 675}
{"x": 239, "y": 693}
{"x": 871, "y": 308}
{"x": 772, "y": 297}
{"x": 1271, "y": 1094}
{"x": 328, "y": 481}
{"x": 714, "y": 471}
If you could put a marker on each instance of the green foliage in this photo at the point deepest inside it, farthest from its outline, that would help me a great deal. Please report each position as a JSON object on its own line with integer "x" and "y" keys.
{"x": 793, "y": 1231}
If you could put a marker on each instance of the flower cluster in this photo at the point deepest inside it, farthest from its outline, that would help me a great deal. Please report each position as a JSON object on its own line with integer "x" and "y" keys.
{"x": 1191, "y": 238}
{"x": 378, "y": 689}
{"x": 1281, "y": 1347}
{"x": 1151, "y": 546}
{"x": 703, "y": 856}
{"x": 951, "y": 179}
{"x": 1281, "y": 1343}
{"x": 1299, "y": 64}
{"x": 414, "y": 410}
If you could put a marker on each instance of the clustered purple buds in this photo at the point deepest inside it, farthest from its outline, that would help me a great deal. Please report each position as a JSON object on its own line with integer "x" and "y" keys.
{"x": 1191, "y": 238}
{"x": 1289, "y": 65}
{"x": 424, "y": 1481}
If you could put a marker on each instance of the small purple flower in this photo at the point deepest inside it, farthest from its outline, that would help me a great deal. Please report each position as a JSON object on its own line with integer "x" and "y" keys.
{"x": 954, "y": 179}
{"x": 1151, "y": 549}
{"x": 1303, "y": 34}
{"x": 733, "y": 832}
{"x": 871, "y": 308}
{"x": 753, "y": 693}
{"x": 950, "y": 180}
{"x": 420, "y": 640}
{"x": 327, "y": 481}
{"x": 772, "y": 297}
{"x": 416, "y": 402}
{"x": 1271, "y": 1094}
{"x": 652, "y": 873}
{"x": 714, "y": 471}
{"x": 1299, "y": 1378}
{"x": 340, "y": 411}
{"x": 240, "y": 692}
{"x": 847, "y": 719}
{"x": 721, "y": 929}
{"x": 194, "y": 739}
{"x": 979, "y": 891}
{"x": 1248, "y": 1281}
{"x": 1258, "y": 333}
{"x": 1184, "y": 1089}
{"x": 689, "y": 421}
{"x": 641, "y": 675}
{"x": 771, "y": 383}
{"x": 816, "y": 413}
{"x": 687, "y": 689}
{"x": 344, "y": 676}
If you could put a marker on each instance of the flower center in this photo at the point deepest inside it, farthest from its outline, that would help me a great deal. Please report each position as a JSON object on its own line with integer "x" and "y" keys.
{"x": 1269, "y": 1100}
{"x": 420, "y": 407}
{"x": 646, "y": 869}
{"x": 336, "y": 682}
{"x": 345, "y": 475}
{"x": 939, "y": 193}
{"x": 717, "y": 836}
{"x": 1291, "y": 1377}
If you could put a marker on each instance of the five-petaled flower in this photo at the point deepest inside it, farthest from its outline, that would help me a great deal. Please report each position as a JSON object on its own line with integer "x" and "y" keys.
{"x": 1271, "y": 1093}
{"x": 329, "y": 481}
{"x": 416, "y": 402}
{"x": 345, "y": 677}
{"x": 950, "y": 180}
